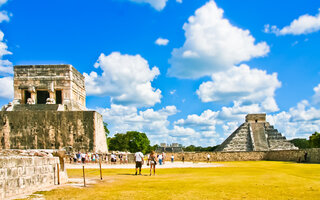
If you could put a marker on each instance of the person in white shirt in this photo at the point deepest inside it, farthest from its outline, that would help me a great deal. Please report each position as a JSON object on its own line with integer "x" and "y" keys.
{"x": 138, "y": 158}
{"x": 172, "y": 158}
{"x": 208, "y": 158}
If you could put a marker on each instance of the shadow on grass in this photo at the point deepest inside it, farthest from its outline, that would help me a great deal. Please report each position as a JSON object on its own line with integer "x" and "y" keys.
{"x": 133, "y": 174}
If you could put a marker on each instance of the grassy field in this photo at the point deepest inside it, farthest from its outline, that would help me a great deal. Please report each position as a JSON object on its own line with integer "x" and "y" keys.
{"x": 235, "y": 180}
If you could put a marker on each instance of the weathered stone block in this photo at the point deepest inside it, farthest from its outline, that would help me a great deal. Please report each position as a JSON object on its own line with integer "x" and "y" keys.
{"x": 82, "y": 130}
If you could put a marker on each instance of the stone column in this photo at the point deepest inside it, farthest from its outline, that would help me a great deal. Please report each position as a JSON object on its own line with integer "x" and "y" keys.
{"x": 33, "y": 93}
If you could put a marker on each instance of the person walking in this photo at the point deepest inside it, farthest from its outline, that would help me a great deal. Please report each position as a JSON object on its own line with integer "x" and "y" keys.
{"x": 163, "y": 157}
{"x": 138, "y": 158}
{"x": 83, "y": 158}
{"x": 208, "y": 158}
{"x": 172, "y": 158}
{"x": 182, "y": 158}
{"x": 121, "y": 158}
{"x": 160, "y": 159}
{"x": 152, "y": 162}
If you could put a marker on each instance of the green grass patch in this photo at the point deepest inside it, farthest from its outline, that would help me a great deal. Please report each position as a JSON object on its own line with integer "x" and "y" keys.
{"x": 235, "y": 180}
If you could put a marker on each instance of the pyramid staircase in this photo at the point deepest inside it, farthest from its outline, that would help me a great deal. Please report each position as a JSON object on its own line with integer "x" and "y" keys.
{"x": 256, "y": 136}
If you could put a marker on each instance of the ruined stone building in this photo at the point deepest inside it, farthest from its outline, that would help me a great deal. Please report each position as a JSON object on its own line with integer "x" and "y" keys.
{"x": 169, "y": 148}
{"x": 49, "y": 111}
{"x": 256, "y": 134}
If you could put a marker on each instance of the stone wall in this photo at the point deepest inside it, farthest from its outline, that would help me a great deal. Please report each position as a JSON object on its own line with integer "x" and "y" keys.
{"x": 82, "y": 130}
{"x": 313, "y": 155}
{"x": 100, "y": 139}
{"x": 285, "y": 155}
{"x": 23, "y": 174}
{"x": 217, "y": 156}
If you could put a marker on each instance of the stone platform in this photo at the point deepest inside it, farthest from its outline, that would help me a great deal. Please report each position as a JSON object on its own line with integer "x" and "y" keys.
{"x": 50, "y": 129}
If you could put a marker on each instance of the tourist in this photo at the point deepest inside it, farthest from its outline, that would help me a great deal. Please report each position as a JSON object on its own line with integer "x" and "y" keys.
{"x": 160, "y": 159}
{"x": 208, "y": 158}
{"x": 121, "y": 159}
{"x": 305, "y": 156}
{"x": 75, "y": 158}
{"x": 172, "y": 158}
{"x": 97, "y": 157}
{"x": 163, "y": 157}
{"x": 138, "y": 158}
{"x": 79, "y": 157}
{"x": 90, "y": 157}
{"x": 93, "y": 157}
{"x": 182, "y": 158}
{"x": 153, "y": 161}
{"x": 83, "y": 158}
{"x": 113, "y": 158}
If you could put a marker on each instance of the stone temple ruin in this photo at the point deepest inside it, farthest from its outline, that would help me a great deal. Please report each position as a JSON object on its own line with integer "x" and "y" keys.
{"x": 49, "y": 112}
{"x": 256, "y": 134}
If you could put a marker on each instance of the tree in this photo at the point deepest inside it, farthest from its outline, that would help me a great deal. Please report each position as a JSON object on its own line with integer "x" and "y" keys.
{"x": 138, "y": 141}
{"x": 193, "y": 148}
{"x": 189, "y": 148}
{"x": 314, "y": 140}
{"x": 119, "y": 142}
{"x": 106, "y": 130}
{"x": 132, "y": 141}
{"x": 301, "y": 143}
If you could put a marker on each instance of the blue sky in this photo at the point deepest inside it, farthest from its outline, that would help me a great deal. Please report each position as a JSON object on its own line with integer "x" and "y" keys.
{"x": 181, "y": 71}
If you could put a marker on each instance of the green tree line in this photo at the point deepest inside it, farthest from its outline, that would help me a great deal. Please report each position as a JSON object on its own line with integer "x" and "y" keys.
{"x": 302, "y": 143}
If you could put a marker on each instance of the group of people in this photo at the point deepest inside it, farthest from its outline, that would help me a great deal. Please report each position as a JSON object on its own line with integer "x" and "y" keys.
{"x": 94, "y": 158}
{"x": 84, "y": 157}
{"x": 123, "y": 158}
{"x": 151, "y": 160}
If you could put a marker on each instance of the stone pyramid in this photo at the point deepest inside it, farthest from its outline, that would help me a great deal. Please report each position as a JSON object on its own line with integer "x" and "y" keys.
{"x": 256, "y": 134}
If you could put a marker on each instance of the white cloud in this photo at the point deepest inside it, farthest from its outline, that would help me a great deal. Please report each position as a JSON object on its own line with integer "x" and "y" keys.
{"x": 6, "y": 83}
{"x": 304, "y": 112}
{"x": 212, "y": 44}
{"x": 179, "y": 1}
{"x": 229, "y": 127}
{"x": 4, "y": 16}
{"x": 125, "y": 78}
{"x": 156, "y": 4}
{"x": 210, "y": 127}
{"x": 153, "y": 122}
{"x": 300, "y": 121}
{"x": 297, "y": 125}
{"x": 3, "y": 2}
{"x": 316, "y": 96}
{"x": 243, "y": 85}
{"x": 207, "y": 118}
{"x": 6, "y": 67}
{"x": 172, "y": 92}
{"x": 305, "y": 24}
{"x": 183, "y": 132}
{"x": 6, "y": 87}
{"x": 203, "y": 126}
{"x": 162, "y": 41}
{"x": 3, "y": 46}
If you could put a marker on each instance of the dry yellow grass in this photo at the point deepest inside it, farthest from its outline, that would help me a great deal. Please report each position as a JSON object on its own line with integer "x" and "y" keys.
{"x": 236, "y": 180}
